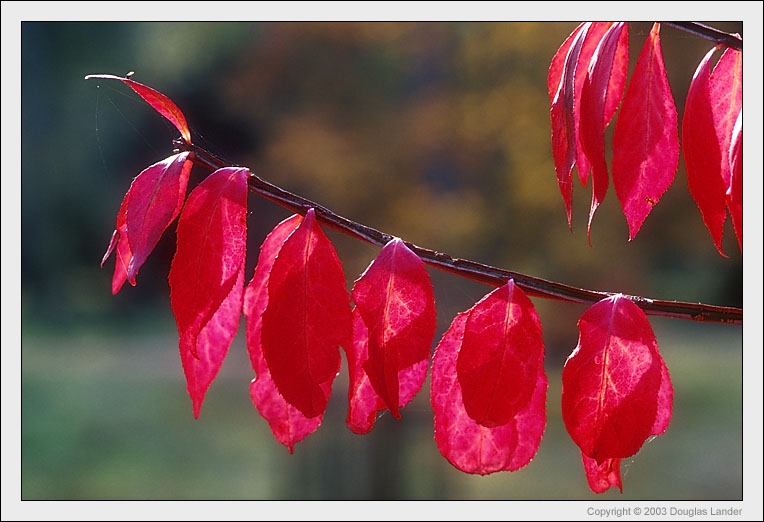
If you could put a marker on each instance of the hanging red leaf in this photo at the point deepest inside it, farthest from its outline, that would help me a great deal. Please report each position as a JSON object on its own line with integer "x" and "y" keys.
{"x": 713, "y": 103}
{"x": 154, "y": 201}
{"x": 497, "y": 365}
{"x": 563, "y": 120}
{"x": 364, "y": 402}
{"x": 161, "y": 103}
{"x": 124, "y": 255}
{"x": 602, "y": 477}
{"x": 593, "y": 116}
{"x": 735, "y": 189}
{"x": 645, "y": 143}
{"x": 287, "y": 423}
{"x": 306, "y": 318}
{"x": 395, "y": 301}
{"x": 616, "y": 389}
{"x": 206, "y": 276}
{"x": 467, "y": 445}
{"x": 615, "y": 87}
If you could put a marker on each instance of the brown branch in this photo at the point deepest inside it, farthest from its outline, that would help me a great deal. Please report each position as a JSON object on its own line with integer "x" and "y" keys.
{"x": 709, "y": 33}
{"x": 469, "y": 269}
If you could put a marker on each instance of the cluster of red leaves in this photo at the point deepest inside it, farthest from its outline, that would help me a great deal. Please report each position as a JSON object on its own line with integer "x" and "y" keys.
{"x": 586, "y": 85}
{"x": 488, "y": 385}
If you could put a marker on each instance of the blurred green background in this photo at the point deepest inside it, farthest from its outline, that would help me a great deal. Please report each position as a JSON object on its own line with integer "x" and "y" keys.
{"x": 435, "y": 132}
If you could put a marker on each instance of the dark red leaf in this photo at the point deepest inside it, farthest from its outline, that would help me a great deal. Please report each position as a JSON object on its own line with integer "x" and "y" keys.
{"x": 645, "y": 143}
{"x": 563, "y": 120}
{"x": 287, "y": 423}
{"x": 593, "y": 118}
{"x": 395, "y": 301}
{"x": 364, "y": 402}
{"x": 119, "y": 241}
{"x": 498, "y": 361}
{"x": 735, "y": 189}
{"x": 154, "y": 201}
{"x": 616, "y": 390}
{"x": 467, "y": 445}
{"x": 306, "y": 318}
{"x": 713, "y": 103}
{"x": 206, "y": 276}
{"x": 161, "y": 103}
{"x": 615, "y": 90}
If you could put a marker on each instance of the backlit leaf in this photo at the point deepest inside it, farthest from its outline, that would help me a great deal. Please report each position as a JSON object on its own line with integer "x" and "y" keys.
{"x": 735, "y": 189}
{"x": 498, "y": 361}
{"x": 154, "y": 201}
{"x": 287, "y": 423}
{"x": 120, "y": 242}
{"x": 307, "y": 317}
{"x": 467, "y": 445}
{"x": 616, "y": 389}
{"x": 161, "y": 103}
{"x": 206, "y": 276}
{"x": 645, "y": 143}
{"x": 394, "y": 299}
{"x": 592, "y": 125}
{"x": 563, "y": 120}
{"x": 713, "y": 103}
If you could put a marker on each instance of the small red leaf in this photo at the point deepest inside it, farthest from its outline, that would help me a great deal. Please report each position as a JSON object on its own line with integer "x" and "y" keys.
{"x": 602, "y": 477}
{"x": 364, "y": 402}
{"x": 467, "y": 445}
{"x": 161, "y": 103}
{"x": 498, "y": 360}
{"x": 287, "y": 423}
{"x": 119, "y": 241}
{"x": 563, "y": 120}
{"x": 593, "y": 117}
{"x": 616, "y": 390}
{"x": 645, "y": 143}
{"x": 154, "y": 201}
{"x": 395, "y": 301}
{"x": 713, "y": 103}
{"x": 735, "y": 189}
{"x": 207, "y": 274}
{"x": 306, "y": 318}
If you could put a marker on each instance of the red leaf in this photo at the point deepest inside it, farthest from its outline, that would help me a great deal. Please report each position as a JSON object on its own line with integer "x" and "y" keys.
{"x": 497, "y": 365}
{"x": 616, "y": 390}
{"x": 615, "y": 89}
{"x": 467, "y": 445}
{"x": 161, "y": 103}
{"x": 602, "y": 477}
{"x": 645, "y": 144}
{"x": 563, "y": 120}
{"x": 124, "y": 255}
{"x": 154, "y": 201}
{"x": 713, "y": 103}
{"x": 306, "y": 318}
{"x": 735, "y": 189}
{"x": 395, "y": 301}
{"x": 206, "y": 276}
{"x": 364, "y": 402}
{"x": 592, "y": 125}
{"x": 287, "y": 423}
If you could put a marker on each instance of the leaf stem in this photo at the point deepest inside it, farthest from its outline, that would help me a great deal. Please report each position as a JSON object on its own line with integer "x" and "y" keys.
{"x": 709, "y": 33}
{"x": 462, "y": 267}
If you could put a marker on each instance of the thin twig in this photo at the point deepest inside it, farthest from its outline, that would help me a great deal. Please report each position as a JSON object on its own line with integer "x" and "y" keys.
{"x": 709, "y": 33}
{"x": 465, "y": 268}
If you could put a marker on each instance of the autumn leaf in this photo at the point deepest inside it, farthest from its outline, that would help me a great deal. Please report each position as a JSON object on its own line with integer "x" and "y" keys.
{"x": 616, "y": 389}
{"x": 735, "y": 190}
{"x": 645, "y": 143}
{"x": 395, "y": 301}
{"x": 161, "y": 103}
{"x": 287, "y": 423}
{"x": 307, "y": 317}
{"x": 120, "y": 242}
{"x": 593, "y": 119}
{"x": 466, "y": 444}
{"x": 498, "y": 361}
{"x": 207, "y": 274}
